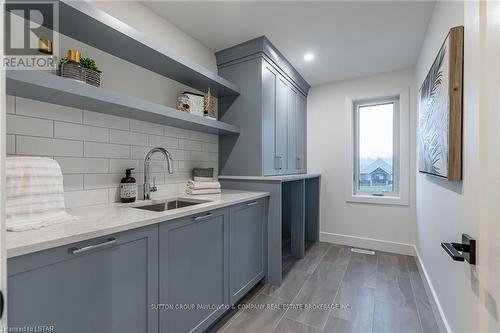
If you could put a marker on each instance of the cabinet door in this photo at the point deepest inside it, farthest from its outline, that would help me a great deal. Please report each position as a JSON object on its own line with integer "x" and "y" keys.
{"x": 282, "y": 127}
{"x": 269, "y": 82}
{"x": 292, "y": 131}
{"x": 108, "y": 284}
{"x": 247, "y": 223}
{"x": 193, "y": 271}
{"x": 301, "y": 134}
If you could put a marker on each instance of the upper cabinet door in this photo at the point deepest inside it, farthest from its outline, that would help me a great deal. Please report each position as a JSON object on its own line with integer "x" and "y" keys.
{"x": 301, "y": 126}
{"x": 282, "y": 119}
{"x": 292, "y": 131}
{"x": 270, "y": 163}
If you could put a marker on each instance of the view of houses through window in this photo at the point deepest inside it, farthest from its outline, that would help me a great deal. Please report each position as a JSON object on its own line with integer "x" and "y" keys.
{"x": 375, "y": 147}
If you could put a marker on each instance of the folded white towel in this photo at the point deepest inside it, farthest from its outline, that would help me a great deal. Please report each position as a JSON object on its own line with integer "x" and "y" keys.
{"x": 203, "y": 179}
{"x": 202, "y": 185}
{"x": 34, "y": 193}
{"x": 205, "y": 191}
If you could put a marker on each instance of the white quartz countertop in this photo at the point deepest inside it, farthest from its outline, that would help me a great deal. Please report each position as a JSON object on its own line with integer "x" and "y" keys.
{"x": 101, "y": 220}
{"x": 284, "y": 178}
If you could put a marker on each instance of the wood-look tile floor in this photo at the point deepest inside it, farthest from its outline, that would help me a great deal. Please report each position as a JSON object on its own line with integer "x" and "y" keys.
{"x": 348, "y": 292}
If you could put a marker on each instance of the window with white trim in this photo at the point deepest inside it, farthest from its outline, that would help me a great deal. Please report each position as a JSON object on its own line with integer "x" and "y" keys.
{"x": 376, "y": 147}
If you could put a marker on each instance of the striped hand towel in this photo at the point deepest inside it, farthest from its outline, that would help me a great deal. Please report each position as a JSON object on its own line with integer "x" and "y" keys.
{"x": 34, "y": 193}
{"x": 190, "y": 191}
{"x": 202, "y": 185}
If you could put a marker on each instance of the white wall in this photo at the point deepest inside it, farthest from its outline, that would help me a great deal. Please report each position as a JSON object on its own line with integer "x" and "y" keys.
{"x": 157, "y": 28}
{"x": 382, "y": 227}
{"x": 440, "y": 204}
{"x": 468, "y": 295}
{"x": 94, "y": 149}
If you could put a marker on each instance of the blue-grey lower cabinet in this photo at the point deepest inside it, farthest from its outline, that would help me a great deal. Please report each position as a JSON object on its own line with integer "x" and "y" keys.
{"x": 194, "y": 257}
{"x": 109, "y": 284}
{"x": 247, "y": 246}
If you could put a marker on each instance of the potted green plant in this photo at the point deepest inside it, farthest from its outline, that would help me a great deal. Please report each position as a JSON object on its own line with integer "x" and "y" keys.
{"x": 92, "y": 73}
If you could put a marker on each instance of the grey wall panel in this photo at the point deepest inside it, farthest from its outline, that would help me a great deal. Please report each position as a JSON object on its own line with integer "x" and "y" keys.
{"x": 297, "y": 217}
{"x": 282, "y": 118}
{"x": 270, "y": 157}
{"x": 301, "y": 134}
{"x": 312, "y": 209}
{"x": 242, "y": 155}
{"x": 292, "y": 131}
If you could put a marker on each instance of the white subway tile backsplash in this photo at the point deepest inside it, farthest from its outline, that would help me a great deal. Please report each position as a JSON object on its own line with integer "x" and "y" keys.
{"x": 203, "y": 156}
{"x": 210, "y": 147}
{"x": 29, "y": 126}
{"x": 180, "y": 155}
{"x": 80, "y": 132}
{"x": 73, "y": 182}
{"x": 70, "y": 165}
{"x": 159, "y": 178}
{"x": 158, "y": 166}
{"x": 145, "y": 127}
{"x": 177, "y": 177}
{"x": 94, "y": 149}
{"x": 127, "y": 138}
{"x": 139, "y": 152}
{"x": 114, "y": 194}
{"x": 165, "y": 190}
{"x": 176, "y": 132}
{"x": 163, "y": 141}
{"x": 11, "y": 144}
{"x": 26, "y": 145}
{"x": 119, "y": 165}
{"x": 190, "y": 145}
{"x": 205, "y": 137}
{"x": 105, "y": 180}
{"x": 105, "y": 120}
{"x": 32, "y": 108}
{"x": 85, "y": 198}
{"x": 10, "y": 104}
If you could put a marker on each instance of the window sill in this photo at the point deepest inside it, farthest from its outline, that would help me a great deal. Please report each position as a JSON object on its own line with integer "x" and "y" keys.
{"x": 378, "y": 200}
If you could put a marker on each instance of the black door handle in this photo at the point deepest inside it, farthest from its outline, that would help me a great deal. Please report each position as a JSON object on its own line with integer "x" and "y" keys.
{"x": 462, "y": 251}
{"x": 1, "y": 304}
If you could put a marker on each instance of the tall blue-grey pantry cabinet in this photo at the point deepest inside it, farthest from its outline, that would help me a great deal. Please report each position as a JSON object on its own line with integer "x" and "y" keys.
{"x": 269, "y": 154}
{"x": 271, "y": 112}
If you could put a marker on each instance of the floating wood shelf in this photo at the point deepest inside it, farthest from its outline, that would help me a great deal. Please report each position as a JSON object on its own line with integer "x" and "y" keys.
{"x": 92, "y": 26}
{"x": 54, "y": 89}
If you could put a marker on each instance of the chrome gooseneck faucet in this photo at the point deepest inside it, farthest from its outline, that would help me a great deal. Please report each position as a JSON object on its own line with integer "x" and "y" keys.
{"x": 147, "y": 161}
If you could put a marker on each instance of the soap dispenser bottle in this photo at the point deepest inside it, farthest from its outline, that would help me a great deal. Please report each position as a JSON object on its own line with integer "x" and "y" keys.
{"x": 128, "y": 187}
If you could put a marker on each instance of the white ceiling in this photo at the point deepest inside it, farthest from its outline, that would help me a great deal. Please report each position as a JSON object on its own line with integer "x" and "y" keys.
{"x": 348, "y": 39}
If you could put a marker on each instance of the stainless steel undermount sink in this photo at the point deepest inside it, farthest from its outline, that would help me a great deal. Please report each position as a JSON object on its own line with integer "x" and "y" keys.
{"x": 162, "y": 206}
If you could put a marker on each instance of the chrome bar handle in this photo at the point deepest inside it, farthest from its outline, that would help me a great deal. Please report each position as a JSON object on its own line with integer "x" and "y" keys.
{"x": 76, "y": 250}
{"x": 202, "y": 217}
{"x": 252, "y": 203}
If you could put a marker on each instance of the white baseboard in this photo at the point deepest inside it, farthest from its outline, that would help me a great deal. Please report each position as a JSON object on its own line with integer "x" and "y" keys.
{"x": 429, "y": 288}
{"x": 368, "y": 243}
